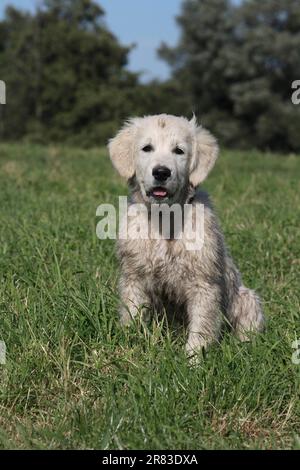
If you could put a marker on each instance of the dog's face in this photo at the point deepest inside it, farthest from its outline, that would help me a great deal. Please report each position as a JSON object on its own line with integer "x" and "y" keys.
{"x": 165, "y": 153}
{"x": 163, "y": 148}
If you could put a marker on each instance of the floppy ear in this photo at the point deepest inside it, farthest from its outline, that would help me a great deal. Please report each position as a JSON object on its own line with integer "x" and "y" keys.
{"x": 205, "y": 154}
{"x": 121, "y": 151}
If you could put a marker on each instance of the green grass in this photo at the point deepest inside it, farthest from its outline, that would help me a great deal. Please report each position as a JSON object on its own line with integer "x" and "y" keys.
{"x": 75, "y": 379}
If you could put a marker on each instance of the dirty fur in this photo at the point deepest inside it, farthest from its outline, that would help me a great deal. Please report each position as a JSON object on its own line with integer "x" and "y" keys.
{"x": 203, "y": 285}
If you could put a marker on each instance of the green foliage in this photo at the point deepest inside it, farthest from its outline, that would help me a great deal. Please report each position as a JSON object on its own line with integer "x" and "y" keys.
{"x": 65, "y": 74}
{"x": 75, "y": 379}
{"x": 67, "y": 77}
{"x": 236, "y": 64}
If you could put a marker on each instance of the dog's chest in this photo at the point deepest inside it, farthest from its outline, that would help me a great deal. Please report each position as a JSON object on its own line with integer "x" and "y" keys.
{"x": 161, "y": 261}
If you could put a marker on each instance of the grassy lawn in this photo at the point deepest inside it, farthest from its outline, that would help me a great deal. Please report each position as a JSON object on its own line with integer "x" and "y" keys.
{"x": 74, "y": 379}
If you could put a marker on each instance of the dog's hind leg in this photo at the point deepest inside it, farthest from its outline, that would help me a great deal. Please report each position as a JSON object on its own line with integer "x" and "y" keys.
{"x": 245, "y": 313}
{"x": 242, "y": 305}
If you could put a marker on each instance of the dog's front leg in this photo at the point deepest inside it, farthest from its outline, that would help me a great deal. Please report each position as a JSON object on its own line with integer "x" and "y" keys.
{"x": 134, "y": 301}
{"x": 204, "y": 317}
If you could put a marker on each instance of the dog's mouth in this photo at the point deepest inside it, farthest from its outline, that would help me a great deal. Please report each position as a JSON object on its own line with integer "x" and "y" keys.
{"x": 158, "y": 193}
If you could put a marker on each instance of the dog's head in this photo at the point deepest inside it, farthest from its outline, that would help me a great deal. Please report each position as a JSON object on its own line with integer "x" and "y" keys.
{"x": 165, "y": 153}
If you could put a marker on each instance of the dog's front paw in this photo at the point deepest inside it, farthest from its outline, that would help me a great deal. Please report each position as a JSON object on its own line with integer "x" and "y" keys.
{"x": 195, "y": 348}
{"x": 134, "y": 314}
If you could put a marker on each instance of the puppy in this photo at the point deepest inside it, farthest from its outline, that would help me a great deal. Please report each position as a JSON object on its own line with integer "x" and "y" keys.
{"x": 164, "y": 158}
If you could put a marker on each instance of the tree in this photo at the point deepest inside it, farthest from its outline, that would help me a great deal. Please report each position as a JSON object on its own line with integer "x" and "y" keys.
{"x": 65, "y": 72}
{"x": 236, "y": 65}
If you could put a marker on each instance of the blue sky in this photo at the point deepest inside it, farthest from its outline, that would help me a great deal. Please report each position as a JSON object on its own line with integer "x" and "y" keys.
{"x": 144, "y": 22}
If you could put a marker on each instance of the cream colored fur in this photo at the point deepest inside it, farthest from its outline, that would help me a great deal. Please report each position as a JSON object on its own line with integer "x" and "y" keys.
{"x": 203, "y": 285}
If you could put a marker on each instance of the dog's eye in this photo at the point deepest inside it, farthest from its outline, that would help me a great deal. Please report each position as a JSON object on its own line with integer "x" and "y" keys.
{"x": 178, "y": 151}
{"x": 148, "y": 148}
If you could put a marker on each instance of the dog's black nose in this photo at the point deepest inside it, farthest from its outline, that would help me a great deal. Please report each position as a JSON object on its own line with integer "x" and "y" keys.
{"x": 161, "y": 173}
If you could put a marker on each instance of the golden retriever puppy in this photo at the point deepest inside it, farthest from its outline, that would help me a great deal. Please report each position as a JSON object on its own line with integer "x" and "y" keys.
{"x": 165, "y": 158}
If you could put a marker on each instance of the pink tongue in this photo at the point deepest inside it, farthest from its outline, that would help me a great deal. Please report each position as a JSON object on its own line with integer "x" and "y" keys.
{"x": 159, "y": 192}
